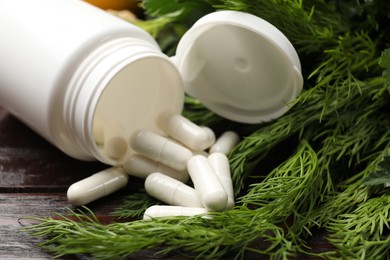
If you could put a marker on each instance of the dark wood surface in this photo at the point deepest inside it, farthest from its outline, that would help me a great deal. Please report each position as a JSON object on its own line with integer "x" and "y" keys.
{"x": 34, "y": 177}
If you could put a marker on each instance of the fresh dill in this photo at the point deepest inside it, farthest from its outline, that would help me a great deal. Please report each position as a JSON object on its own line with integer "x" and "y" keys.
{"x": 337, "y": 161}
{"x": 380, "y": 176}
{"x": 362, "y": 233}
{"x": 134, "y": 205}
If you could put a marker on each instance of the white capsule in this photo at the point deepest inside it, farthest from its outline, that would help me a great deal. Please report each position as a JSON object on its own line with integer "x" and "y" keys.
{"x": 171, "y": 191}
{"x": 161, "y": 149}
{"x": 115, "y": 144}
{"x": 159, "y": 211}
{"x": 206, "y": 182}
{"x": 220, "y": 164}
{"x": 186, "y": 132}
{"x": 140, "y": 166}
{"x": 211, "y": 135}
{"x": 225, "y": 142}
{"x": 97, "y": 186}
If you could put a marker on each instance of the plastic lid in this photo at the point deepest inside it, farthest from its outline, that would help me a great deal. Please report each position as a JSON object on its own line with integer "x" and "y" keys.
{"x": 239, "y": 66}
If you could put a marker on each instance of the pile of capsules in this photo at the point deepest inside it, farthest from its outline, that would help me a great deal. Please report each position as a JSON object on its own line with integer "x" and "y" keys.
{"x": 188, "y": 170}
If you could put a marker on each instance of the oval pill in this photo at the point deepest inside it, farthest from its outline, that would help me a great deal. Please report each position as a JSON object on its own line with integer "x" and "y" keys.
{"x": 186, "y": 132}
{"x": 158, "y": 211}
{"x": 140, "y": 166}
{"x": 115, "y": 145}
{"x": 161, "y": 149}
{"x": 220, "y": 164}
{"x": 225, "y": 142}
{"x": 207, "y": 184}
{"x": 97, "y": 186}
{"x": 171, "y": 191}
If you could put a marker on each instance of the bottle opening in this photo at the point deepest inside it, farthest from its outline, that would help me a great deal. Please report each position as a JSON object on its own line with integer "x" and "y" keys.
{"x": 121, "y": 87}
{"x": 134, "y": 99}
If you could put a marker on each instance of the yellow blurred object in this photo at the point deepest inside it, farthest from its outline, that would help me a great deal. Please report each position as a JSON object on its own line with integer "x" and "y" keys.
{"x": 114, "y": 4}
{"x": 124, "y": 14}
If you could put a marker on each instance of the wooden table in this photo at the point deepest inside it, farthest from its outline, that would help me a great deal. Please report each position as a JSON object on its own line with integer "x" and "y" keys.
{"x": 34, "y": 177}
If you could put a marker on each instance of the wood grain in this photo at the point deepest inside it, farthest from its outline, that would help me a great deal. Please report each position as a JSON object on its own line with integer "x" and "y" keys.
{"x": 34, "y": 177}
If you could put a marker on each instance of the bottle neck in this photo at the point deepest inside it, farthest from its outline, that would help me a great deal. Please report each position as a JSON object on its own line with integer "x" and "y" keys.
{"x": 128, "y": 81}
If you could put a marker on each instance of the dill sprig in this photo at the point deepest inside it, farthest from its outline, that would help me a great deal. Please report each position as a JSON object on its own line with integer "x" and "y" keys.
{"x": 290, "y": 187}
{"x": 134, "y": 205}
{"x": 363, "y": 232}
{"x": 209, "y": 237}
{"x": 348, "y": 194}
{"x": 287, "y": 193}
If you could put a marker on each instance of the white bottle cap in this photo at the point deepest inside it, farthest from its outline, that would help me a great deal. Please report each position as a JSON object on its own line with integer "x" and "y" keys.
{"x": 239, "y": 66}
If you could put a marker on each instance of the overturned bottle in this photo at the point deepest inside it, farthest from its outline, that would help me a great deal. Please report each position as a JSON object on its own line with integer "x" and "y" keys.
{"x": 88, "y": 81}
{"x": 68, "y": 66}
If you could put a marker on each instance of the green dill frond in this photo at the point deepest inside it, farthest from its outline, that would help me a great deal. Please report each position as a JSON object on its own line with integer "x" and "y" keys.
{"x": 134, "y": 205}
{"x": 381, "y": 175}
{"x": 291, "y": 187}
{"x": 363, "y": 232}
{"x": 348, "y": 194}
{"x": 384, "y": 62}
{"x": 203, "y": 237}
{"x": 354, "y": 135}
{"x": 310, "y": 25}
{"x": 290, "y": 193}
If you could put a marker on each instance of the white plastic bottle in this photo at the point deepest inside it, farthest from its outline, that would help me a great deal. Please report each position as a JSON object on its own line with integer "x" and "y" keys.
{"x": 64, "y": 63}
{"x": 67, "y": 67}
